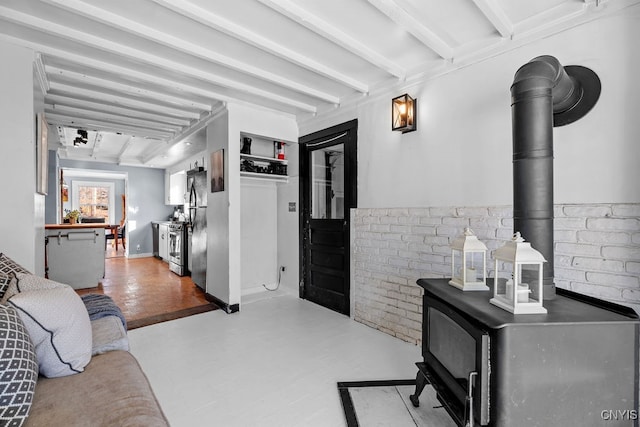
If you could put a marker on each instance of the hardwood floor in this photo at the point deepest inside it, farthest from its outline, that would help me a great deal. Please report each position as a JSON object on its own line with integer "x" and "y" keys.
{"x": 147, "y": 292}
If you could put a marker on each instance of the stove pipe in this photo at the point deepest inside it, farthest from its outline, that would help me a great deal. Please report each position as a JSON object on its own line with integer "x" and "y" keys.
{"x": 543, "y": 94}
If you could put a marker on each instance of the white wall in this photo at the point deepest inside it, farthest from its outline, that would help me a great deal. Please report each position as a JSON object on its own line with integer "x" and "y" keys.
{"x": 220, "y": 272}
{"x": 243, "y": 118}
{"x": 461, "y": 152}
{"x": 22, "y": 213}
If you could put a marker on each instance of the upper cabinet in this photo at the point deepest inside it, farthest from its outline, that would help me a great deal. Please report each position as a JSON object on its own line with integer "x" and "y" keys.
{"x": 262, "y": 157}
{"x": 175, "y": 188}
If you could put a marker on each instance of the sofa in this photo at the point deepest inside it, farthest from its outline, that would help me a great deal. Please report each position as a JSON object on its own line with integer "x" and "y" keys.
{"x": 62, "y": 364}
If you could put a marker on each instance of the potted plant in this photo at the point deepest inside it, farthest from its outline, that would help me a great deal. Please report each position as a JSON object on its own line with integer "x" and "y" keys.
{"x": 72, "y": 216}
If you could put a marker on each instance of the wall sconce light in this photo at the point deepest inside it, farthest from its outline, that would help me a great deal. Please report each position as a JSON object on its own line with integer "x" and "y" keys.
{"x": 403, "y": 113}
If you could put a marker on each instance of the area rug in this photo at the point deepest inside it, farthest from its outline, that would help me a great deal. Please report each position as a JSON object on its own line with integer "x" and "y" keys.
{"x": 164, "y": 317}
{"x": 386, "y": 403}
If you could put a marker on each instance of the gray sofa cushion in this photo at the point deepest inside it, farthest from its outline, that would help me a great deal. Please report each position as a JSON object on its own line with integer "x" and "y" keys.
{"x": 18, "y": 368}
{"x": 108, "y": 334}
{"x": 112, "y": 391}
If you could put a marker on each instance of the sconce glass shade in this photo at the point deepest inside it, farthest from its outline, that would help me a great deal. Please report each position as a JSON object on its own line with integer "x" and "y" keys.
{"x": 403, "y": 113}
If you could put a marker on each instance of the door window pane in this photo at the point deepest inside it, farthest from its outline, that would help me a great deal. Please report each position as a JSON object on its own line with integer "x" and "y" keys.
{"x": 93, "y": 201}
{"x": 327, "y": 183}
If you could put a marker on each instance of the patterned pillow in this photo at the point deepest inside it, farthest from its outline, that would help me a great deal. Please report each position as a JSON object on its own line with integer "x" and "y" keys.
{"x": 5, "y": 281}
{"x": 7, "y": 265}
{"x": 59, "y": 326}
{"x": 18, "y": 369}
{"x": 25, "y": 282}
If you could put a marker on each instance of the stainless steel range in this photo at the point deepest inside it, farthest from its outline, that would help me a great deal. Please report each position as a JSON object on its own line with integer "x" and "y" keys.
{"x": 177, "y": 248}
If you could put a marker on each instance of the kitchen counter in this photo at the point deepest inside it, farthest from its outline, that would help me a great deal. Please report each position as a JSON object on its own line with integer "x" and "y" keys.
{"x": 75, "y": 253}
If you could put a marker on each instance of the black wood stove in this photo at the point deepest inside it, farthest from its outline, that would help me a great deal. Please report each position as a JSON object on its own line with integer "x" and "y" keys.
{"x": 577, "y": 365}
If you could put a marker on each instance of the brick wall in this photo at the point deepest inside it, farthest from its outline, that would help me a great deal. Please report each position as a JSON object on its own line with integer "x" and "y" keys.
{"x": 597, "y": 252}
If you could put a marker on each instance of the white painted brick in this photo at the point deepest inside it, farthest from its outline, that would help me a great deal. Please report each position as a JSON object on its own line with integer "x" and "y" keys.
{"x": 423, "y": 229}
{"x": 635, "y": 238}
{"x": 621, "y": 252}
{"x": 562, "y": 260}
{"x": 399, "y": 262}
{"x": 449, "y": 231}
{"x": 612, "y": 279}
{"x": 507, "y": 223}
{"x": 456, "y": 222}
{"x": 389, "y": 269}
{"x": 484, "y": 222}
{"x": 432, "y": 258}
{"x": 370, "y": 220}
{"x": 570, "y": 223}
{"x": 578, "y": 249}
{"x": 419, "y": 247}
{"x": 436, "y": 240}
{"x": 626, "y": 210}
{"x": 409, "y": 255}
{"x": 402, "y": 228}
{"x": 389, "y": 252}
{"x": 501, "y": 211}
{"x": 431, "y": 221}
{"x": 470, "y": 212}
{"x": 633, "y": 267}
{"x": 565, "y": 235}
{"x": 388, "y": 220}
{"x": 504, "y": 233}
{"x": 379, "y": 227}
{"x": 569, "y": 274}
{"x": 411, "y": 220}
{"x": 598, "y": 264}
{"x": 419, "y": 265}
{"x": 484, "y": 233}
{"x": 603, "y": 237}
{"x": 413, "y": 238}
{"x": 622, "y": 224}
{"x": 586, "y": 211}
{"x": 631, "y": 296}
{"x": 419, "y": 211}
{"x": 606, "y": 292}
{"x": 442, "y": 211}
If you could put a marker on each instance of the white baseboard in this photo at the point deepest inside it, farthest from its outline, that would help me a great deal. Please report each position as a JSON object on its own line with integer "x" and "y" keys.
{"x": 146, "y": 255}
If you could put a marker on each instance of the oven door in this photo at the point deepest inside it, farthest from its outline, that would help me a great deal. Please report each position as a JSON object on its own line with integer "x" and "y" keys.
{"x": 176, "y": 254}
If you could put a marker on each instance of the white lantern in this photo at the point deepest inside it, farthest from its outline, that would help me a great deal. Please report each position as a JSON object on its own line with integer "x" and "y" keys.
{"x": 517, "y": 287}
{"x": 469, "y": 263}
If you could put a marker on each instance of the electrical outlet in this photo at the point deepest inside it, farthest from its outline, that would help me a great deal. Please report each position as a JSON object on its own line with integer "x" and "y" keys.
{"x": 138, "y": 248}
{"x": 283, "y": 268}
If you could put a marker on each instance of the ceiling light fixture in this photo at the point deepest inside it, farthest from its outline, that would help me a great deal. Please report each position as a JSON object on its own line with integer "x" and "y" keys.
{"x": 403, "y": 113}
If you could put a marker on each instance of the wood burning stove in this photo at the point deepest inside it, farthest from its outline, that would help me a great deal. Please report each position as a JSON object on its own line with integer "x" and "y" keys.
{"x": 490, "y": 367}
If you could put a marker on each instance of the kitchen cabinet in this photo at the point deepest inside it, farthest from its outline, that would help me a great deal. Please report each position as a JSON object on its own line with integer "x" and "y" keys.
{"x": 163, "y": 241}
{"x": 263, "y": 158}
{"x": 175, "y": 188}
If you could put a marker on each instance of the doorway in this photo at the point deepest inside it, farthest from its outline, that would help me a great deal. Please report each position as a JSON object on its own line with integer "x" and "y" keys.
{"x": 328, "y": 175}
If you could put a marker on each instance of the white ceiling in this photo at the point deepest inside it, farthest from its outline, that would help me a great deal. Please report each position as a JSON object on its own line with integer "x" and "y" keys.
{"x": 145, "y": 76}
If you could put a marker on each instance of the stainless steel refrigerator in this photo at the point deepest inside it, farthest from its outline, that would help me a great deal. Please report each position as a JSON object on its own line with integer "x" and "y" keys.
{"x": 197, "y": 233}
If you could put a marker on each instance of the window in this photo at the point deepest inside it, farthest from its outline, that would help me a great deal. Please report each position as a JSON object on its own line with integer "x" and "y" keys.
{"x": 94, "y": 199}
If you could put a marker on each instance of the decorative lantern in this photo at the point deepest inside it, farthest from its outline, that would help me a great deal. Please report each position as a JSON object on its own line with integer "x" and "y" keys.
{"x": 517, "y": 287}
{"x": 468, "y": 263}
{"x": 403, "y": 113}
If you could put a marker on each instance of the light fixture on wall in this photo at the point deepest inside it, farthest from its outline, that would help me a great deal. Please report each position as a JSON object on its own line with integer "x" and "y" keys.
{"x": 403, "y": 113}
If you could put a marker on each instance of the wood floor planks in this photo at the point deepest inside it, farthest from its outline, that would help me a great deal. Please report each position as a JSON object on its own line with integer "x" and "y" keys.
{"x": 148, "y": 292}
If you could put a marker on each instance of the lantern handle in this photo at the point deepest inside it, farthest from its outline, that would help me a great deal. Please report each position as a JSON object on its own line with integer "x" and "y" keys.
{"x": 468, "y": 231}
{"x": 517, "y": 237}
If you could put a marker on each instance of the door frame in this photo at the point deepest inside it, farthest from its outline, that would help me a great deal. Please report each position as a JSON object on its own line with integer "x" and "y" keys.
{"x": 350, "y": 188}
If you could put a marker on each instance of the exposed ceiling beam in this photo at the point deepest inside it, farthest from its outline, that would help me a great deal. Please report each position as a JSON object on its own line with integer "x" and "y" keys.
{"x": 81, "y": 113}
{"x": 495, "y": 14}
{"x": 122, "y": 101}
{"x": 99, "y": 125}
{"x": 145, "y": 56}
{"x": 162, "y": 37}
{"x": 216, "y": 22}
{"x": 99, "y": 107}
{"x": 56, "y": 73}
{"x": 118, "y": 69}
{"x": 124, "y": 148}
{"x": 403, "y": 18}
{"x": 337, "y": 36}
{"x": 96, "y": 145}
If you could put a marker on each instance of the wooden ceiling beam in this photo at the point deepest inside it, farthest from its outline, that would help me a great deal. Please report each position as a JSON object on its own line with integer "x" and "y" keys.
{"x": 138, "y": 55}
{"x": 239, "y": 32}
{"x": 307, "y": 19}
{"x": 409, "y": 22}
{"x": 496, "y": 15}
{"x": 101, "y": 15}
{"x": 101, "y": 125}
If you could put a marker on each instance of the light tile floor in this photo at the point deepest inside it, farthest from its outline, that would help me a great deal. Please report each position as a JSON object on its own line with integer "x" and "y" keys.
{"x": 275, "y": 363}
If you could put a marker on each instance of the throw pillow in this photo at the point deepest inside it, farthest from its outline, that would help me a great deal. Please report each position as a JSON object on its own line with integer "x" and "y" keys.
{"x": 28, "y": 282}
{"x": 59, "y": 326}
{"x": 18, "y": 369}
{"x": 5, "y": 281}
{"x": 7, "y": 265}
